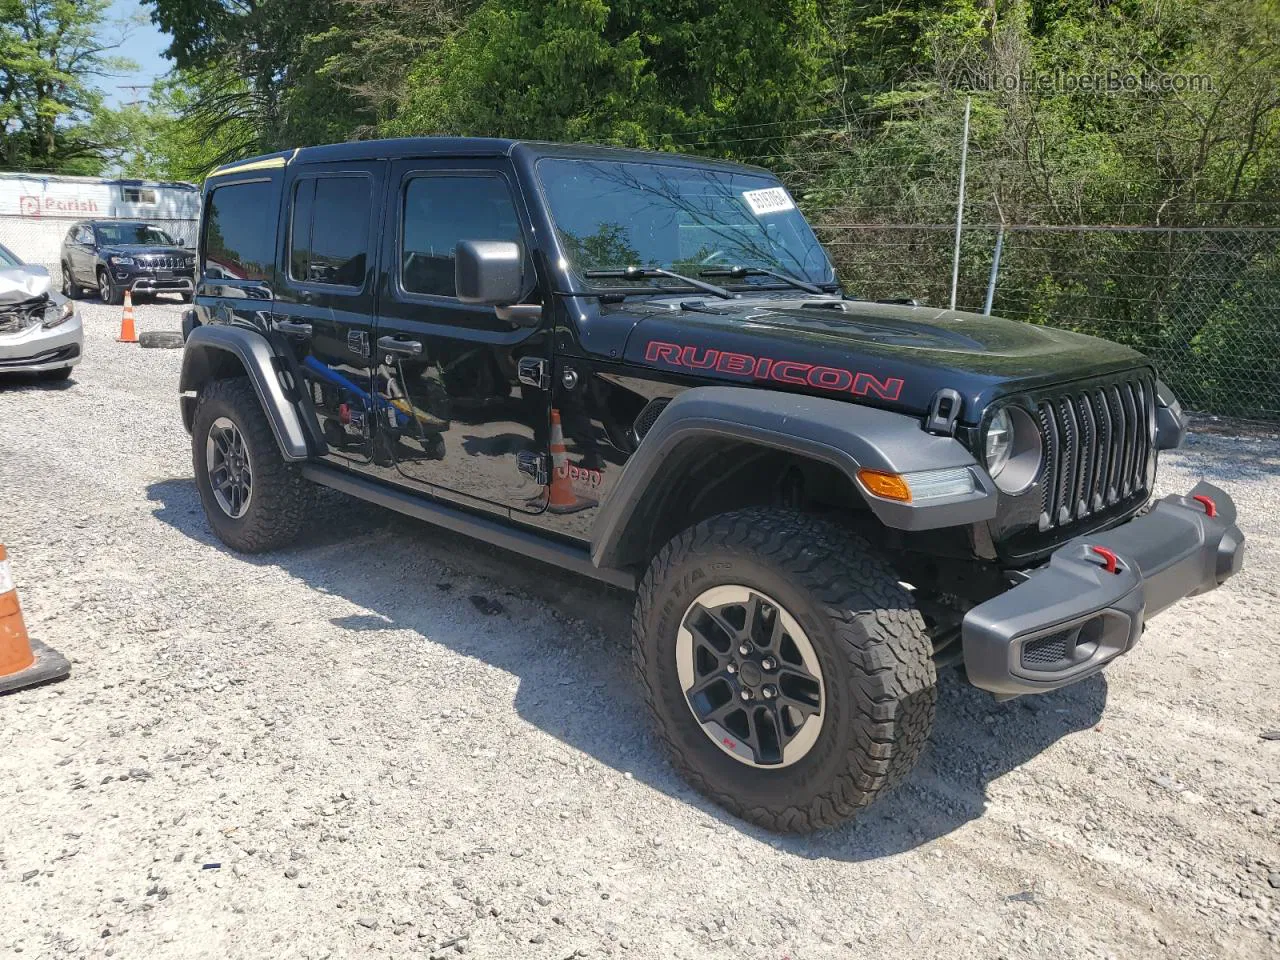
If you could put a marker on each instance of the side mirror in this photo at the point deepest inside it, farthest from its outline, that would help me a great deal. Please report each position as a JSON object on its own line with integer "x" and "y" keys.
{"x": 182, "y": 241}
{"x": 488, "y": 272}
{"x": 491, "y": 272}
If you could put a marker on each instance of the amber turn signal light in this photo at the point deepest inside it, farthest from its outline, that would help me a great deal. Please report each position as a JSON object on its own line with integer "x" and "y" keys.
{"x": 889, "y": 486}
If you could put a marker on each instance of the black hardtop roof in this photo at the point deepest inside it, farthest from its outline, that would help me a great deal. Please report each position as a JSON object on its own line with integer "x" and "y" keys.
{"x": 404, "y": 147}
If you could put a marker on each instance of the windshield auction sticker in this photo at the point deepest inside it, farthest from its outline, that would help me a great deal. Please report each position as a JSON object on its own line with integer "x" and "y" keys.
{"x": 771, "y": 200}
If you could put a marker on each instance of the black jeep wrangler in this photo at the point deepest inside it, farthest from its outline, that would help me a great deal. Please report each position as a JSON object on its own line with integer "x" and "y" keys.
{"x": 641, "y": 367}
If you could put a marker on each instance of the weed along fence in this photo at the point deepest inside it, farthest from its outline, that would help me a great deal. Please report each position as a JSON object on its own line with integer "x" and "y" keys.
{"x": 37, "y": 209}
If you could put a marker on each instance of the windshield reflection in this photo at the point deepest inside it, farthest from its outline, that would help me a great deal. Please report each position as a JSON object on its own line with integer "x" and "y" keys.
{"x": 612, "y": 214}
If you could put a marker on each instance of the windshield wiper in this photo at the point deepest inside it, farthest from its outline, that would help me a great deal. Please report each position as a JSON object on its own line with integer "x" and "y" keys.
{"x": 738, "y": 273}
{"x": 643, "y": 273}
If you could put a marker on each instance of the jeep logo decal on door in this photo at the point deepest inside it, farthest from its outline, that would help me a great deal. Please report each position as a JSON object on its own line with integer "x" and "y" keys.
{"x": 835, "y": 379}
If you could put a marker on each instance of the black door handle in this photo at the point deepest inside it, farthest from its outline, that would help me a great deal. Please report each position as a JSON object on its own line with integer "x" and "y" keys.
{"x": 294, "y": 328}
{"x": 410, "y": 348}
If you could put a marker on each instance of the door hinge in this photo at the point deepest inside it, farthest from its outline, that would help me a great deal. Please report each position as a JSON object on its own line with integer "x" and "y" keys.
{"x": 533, "y": 465}
{"x": 534, "y": 372}
{"x": 358, "y": 342}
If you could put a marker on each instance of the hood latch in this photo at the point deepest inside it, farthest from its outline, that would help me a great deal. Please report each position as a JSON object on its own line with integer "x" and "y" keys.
{"x": 944, "y": 411}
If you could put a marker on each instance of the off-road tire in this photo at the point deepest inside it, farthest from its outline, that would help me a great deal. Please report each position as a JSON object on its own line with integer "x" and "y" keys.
{"x": 869, "y": 639}
{"x": 162, "y": 339}
{"x": 282, "y": 498}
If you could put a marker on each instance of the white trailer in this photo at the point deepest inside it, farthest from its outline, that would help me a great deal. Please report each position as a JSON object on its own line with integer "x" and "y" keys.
{"x": 36, "y": 210}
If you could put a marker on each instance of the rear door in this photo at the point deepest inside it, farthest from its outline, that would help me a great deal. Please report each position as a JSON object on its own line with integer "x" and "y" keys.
{"x": 238, "y": 248}
{"x": 324, "y": 303}
{"x": 466, "y": 423}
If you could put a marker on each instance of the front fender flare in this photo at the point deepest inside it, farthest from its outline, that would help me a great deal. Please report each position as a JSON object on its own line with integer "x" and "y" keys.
{"x": 846, "y": 435}
{"x": 203, "y": 358}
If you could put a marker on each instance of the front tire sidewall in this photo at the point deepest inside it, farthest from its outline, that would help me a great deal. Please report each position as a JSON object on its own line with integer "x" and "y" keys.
{"x": 107, "y": 291}
{"x": 70, "y": 289}
{"x": 734, "y": 784}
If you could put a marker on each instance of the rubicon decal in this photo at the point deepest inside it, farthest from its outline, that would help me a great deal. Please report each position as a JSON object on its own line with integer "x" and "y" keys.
{"x": 834, "y": 379}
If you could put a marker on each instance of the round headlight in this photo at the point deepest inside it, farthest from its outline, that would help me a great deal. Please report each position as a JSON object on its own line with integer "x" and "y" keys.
{"x": 999, "y": 443}
{"x": 1013, "y": 450}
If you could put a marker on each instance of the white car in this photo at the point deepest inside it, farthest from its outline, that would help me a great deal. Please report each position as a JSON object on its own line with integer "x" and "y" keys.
{"x": 40, "y": 329}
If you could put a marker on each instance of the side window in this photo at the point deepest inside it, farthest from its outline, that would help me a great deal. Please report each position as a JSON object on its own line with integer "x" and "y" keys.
{"x": 238, "y": 232}
{"x": 84, "y": 235}
{"x": 441, "y": 211}
{"x": 329, "y": 230}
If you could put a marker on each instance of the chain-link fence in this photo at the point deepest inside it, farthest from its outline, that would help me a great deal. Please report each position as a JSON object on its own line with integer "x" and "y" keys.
{"x": 37, "y": 210}
{"x": 1203, "y": 303}
{"x": 1048, "y": 236}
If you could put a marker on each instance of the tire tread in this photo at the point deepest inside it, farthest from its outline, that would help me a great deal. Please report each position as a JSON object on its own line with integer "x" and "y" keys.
{"x": 881, "y": 633}
{"x": 282, "y": 498}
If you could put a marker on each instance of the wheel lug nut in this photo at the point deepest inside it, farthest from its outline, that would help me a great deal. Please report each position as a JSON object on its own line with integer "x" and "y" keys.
{"x": 745, "y": 649}
{"x": 746, "y": 695}
{"x": 770, "y": 692}
{"x": 731, "y": 668}
{"x": 769, "y": 663}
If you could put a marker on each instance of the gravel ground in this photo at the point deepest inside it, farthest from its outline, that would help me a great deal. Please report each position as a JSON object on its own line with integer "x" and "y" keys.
{"x": 392, "y": 739}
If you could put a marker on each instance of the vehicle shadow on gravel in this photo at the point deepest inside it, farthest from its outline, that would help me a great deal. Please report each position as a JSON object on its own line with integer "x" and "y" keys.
{"x": 976, "y": 740}
{"x": 31, "y": 381}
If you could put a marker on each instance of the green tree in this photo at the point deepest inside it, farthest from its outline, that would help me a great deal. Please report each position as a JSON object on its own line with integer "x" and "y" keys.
{"x": 173, "y": 135}
{"x": 52, "y": 53}
{"x": 259, "y": 68}
{"x": 533, "y": 68}
{"x": 635, "y": 73}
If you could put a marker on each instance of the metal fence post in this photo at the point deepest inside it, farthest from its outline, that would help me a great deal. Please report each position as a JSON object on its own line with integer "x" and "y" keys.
{"x": 964, "y": 158}
{"x": 995, "y": 272}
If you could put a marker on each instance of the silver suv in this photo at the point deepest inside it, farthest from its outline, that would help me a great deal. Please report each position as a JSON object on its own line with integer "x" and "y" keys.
{"x": 40, "y": 330}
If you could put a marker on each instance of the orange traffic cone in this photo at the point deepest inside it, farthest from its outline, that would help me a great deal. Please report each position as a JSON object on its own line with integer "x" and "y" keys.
{"x": 560, "y": 497}
{"x": 23, "y": 662}
{"x": 127, "y": 333}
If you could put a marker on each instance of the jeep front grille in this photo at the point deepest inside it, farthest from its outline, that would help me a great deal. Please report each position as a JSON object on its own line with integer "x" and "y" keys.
{"x": 1097, "y": 449}
{"x": 162, "y": 263}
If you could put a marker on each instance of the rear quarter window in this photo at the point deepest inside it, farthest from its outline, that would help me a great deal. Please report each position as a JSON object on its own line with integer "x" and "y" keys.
{"x": 239, "y": 232}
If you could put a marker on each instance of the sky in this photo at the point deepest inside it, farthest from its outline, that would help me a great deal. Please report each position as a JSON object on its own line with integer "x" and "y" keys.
{"x": 145, "y": 47}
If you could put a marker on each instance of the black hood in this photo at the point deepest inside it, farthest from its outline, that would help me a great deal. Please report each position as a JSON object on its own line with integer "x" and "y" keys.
{"x": 893, "y": 355}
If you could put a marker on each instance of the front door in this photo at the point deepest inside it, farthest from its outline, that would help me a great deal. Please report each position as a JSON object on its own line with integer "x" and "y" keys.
{"x": 464, "y": 421}
{"x": 324, "y": 302}
{"x": 81, "y": 253}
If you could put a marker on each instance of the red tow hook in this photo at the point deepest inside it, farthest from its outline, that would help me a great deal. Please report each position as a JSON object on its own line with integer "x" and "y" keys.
{"x": 1210, "y": 508}
{"x": 1108, "y": 558}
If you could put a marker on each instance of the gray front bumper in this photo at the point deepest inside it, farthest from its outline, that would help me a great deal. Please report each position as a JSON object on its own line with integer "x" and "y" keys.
{"x": 37, "y": 349}
{"x": 1072, "y": 616}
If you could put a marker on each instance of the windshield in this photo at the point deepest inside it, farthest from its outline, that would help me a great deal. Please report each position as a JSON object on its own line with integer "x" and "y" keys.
{"x": 7, "y": 259}
{"x": 612, "y": 214}
{"x": 131, "y": 233}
